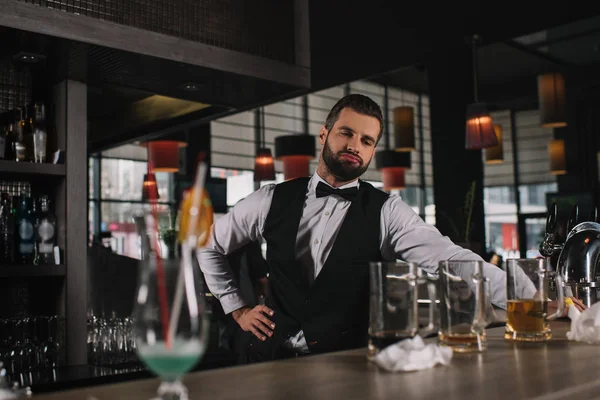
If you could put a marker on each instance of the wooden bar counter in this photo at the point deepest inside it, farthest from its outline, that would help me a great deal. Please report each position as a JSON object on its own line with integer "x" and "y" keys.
{"x": 558, "y": 369}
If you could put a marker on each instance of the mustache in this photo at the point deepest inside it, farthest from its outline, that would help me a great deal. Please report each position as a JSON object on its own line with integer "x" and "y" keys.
{"x": 351, "y": 154}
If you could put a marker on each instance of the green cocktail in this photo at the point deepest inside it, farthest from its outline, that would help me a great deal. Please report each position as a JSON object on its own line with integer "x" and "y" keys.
{"x": 173, "y": 363}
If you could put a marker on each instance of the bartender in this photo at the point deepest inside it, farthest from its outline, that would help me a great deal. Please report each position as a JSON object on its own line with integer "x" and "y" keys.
{"x": 321, "y": 233}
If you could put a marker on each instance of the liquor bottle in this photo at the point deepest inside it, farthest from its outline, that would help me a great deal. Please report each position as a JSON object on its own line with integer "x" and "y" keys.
{"x": 39, "y": 133}
{"x": 7, "y": 230}
{"x": 28, "y": 132}
{"x": 3, "y": 136}
{"x": 45, "y": 229}
{"x": 9, "y": 146}
{"x": 20, "y": 147}
{"x": 25, "y": 231}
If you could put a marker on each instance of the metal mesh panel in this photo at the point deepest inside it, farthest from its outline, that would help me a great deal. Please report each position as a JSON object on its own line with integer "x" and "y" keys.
{"x": 260, "y": 27}
{"x": 15, "y": 86}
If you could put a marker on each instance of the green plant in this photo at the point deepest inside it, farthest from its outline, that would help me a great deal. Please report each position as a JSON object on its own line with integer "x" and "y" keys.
{"x": 461, "y": 225}
{"x": 168, "y": 235}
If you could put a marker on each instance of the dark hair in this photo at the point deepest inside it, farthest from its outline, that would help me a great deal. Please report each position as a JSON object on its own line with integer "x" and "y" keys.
{"x": 359, "y": 103}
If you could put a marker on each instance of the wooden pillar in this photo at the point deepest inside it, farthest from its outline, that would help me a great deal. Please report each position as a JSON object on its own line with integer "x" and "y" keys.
{"x": 456, "y": 171}
{"x": 70, "y": 105}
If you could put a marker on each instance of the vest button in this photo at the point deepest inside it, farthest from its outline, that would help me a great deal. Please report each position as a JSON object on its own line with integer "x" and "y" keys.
{"x": 327, "y": 213}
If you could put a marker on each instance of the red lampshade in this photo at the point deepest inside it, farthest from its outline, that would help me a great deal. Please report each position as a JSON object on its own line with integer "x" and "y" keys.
{"x": 295, "y": 151}
{"x": 295, "y": 166}
{"x": 393, "y": 178}
{"x": 264, "y": 166}
{"x": 480, "y": 131}
{"x": 163, "y": 155}
{"x": 150, "y": 188}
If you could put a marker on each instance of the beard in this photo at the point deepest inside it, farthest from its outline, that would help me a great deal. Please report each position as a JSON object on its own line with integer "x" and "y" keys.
{"x": 341, "y": 169}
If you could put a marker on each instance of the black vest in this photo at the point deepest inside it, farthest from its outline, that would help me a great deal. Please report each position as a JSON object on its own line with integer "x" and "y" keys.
{"x": 333, "y": 312}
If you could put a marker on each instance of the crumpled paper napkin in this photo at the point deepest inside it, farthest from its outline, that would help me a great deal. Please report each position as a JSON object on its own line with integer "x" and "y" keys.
{"x": 412, "y": 355}
{"x": 585, "y": 326}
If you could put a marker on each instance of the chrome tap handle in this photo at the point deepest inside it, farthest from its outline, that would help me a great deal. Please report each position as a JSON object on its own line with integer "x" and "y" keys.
{"x": 551, "y": 219}
{"x": 573, "y": 218}
{"x": 594, "y": 215}
{"x": 548, "y": 247}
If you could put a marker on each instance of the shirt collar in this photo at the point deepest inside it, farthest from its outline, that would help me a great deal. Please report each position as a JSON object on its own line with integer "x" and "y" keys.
{"x": 315, "y": 179}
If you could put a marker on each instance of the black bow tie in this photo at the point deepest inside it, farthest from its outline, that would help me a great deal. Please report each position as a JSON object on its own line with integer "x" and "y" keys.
{"x": 325, "y": 190}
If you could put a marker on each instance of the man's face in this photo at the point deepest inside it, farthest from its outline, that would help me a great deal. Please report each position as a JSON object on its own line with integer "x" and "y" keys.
{"x": 348, "y": 148}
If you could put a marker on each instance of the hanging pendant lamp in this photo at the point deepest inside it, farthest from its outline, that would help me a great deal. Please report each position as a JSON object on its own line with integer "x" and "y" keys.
{"x": 392, "y": 164}
{"x": 479, "y": 129}
{"x": 495, "y": 154}
{"x": 404, "y": 128}
{"x": 556, "y": 152}
{"x": 164, "y": 154}
{"x": 296, "y": 151}
{"x": 551, "y": 96}
{"x": 150, "y": 188}
{"x": 264, "y": 166}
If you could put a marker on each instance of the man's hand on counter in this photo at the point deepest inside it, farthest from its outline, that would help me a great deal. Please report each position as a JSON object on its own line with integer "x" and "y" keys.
{"x": 255, "y": 320}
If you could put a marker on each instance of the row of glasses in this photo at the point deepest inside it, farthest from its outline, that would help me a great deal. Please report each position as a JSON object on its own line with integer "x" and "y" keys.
{"x": 110, "y": 341}
{"x": 459, "y": 299}
{"x": 31, "y": 343}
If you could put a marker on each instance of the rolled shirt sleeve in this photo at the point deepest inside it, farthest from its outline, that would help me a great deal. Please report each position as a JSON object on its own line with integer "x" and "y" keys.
{"x": 243, "y": 224}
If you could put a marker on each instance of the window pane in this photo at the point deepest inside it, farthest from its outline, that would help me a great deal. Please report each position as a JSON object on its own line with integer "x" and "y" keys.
{"x": 122, "y": 180}
{"x": 533, "y": 197}
{"x": 536, "y": 228}
{"x": 91, "y": 208}
{"x": 501, "y": 220}
{"x": 429, "y": 206}
{"x": 90, "y": 177}
{"x": 118, "y": 219}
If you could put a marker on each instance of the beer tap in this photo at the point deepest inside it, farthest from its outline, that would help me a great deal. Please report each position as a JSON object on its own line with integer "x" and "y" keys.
{"x": 594, "y": 214}
{"x": 548, "y": 247}
{"x": 573, "y": 218}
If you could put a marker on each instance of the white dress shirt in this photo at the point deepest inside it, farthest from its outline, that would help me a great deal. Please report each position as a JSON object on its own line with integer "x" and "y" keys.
{"x": 404, "y": 235}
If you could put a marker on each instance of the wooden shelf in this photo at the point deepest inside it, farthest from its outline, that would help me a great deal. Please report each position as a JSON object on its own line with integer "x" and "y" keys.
{"x": 32, "y": 168}
{"x": 21, "y": 271}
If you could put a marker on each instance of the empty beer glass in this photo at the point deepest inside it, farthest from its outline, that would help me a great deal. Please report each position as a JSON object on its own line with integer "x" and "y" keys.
{"x": 394, "y": 308}
{"x": 465, "y": 306}
{"x": 527, "y": 295}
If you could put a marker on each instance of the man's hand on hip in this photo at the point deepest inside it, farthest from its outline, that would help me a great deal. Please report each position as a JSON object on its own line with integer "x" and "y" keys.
{"x": 255, "y": 320}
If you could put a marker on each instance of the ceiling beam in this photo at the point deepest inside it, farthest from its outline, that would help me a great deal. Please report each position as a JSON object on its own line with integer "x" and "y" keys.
{"x": 37, "y": 19}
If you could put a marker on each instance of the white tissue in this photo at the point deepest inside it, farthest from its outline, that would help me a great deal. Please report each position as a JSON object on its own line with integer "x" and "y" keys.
{"x": 412, "y": 355}
{"x": 585, "y": 326}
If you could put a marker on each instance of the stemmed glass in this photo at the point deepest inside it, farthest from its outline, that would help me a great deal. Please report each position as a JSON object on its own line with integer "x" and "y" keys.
{"x": 170, "y": 323}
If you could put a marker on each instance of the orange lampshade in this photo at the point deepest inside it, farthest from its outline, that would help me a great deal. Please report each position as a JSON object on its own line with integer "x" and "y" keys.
{"x": 393, "y": 178}
{"x": 404, "y": 128}
{"x": 479, "y": 130}
{"x": 264, "y": 166}
{"x": 150, "y": 188}
{"x": 163, "y": 155}
{"x": 495, "y": 154}
{"x": 556, "y": 151}
{"x": 551, "y": 97}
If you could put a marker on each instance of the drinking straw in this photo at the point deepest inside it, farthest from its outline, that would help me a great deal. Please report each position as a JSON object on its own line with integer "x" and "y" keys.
{"x": 188, "y": 244}
{"x": 160, "y": 273}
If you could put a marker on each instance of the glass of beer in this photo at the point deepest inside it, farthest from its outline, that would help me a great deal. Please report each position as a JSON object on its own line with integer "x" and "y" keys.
{"x": 527, "y": 295}
{"x": 465, "y": 307}
{"x": 394, "y": 304}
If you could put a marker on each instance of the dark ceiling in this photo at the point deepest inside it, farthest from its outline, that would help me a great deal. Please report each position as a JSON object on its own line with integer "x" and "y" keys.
{"x": 349, "y": 41}
{"x": 507, "y": 69}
